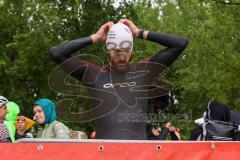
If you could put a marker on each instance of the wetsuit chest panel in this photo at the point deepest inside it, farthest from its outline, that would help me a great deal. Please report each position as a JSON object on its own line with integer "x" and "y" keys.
{"x": 127, "y": 119}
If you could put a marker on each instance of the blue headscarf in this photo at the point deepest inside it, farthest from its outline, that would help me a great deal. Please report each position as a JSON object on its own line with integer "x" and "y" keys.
{"x": 48, "y": 108}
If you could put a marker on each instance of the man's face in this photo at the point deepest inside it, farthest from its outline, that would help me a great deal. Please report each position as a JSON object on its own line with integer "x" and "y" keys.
{"x": 3, "y": 111}
{"x": 38, "y": 114}
{"x": 119, "y": 59}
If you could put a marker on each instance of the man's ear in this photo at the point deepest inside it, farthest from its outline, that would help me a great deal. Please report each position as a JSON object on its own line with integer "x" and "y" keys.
{"x": 130, "y": 58}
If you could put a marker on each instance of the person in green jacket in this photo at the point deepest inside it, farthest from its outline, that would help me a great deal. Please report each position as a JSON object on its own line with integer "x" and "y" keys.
{"x": 13, "y": 111}
{"x": 45, "y": 114}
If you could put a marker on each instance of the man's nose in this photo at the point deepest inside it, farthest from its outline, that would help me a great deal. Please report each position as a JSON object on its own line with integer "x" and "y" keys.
{"x": 123, "y": 57}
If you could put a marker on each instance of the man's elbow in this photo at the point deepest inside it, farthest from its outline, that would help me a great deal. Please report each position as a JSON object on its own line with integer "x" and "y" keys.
{"x": 183, "y": 43}
{"x": 52, "y": 53}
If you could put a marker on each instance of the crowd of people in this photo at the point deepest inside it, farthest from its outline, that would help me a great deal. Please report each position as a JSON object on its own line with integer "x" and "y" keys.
{"x": 14, "y": 125}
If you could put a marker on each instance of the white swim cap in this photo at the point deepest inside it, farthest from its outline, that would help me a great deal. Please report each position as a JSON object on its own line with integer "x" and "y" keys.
{"x": 119, "y": 36}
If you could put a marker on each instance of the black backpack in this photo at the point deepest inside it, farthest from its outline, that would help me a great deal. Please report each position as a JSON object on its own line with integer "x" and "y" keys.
{"x": 214, "y": 130}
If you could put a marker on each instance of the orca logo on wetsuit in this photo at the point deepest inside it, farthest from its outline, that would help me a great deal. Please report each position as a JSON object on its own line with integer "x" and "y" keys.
{"x": 122, "y": 85}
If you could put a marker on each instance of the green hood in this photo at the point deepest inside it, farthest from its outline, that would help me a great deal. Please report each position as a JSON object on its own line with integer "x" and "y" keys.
{"x": 13, "y": 111}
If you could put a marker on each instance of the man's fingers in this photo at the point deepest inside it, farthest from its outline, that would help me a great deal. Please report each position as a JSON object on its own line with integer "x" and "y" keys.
{"x": 107, "y": 26}
{"x": 110, "y": 24}
{"x": 126, "y": 22}
{"x": 102, "y": 32}
{"x": 121, "y": 21}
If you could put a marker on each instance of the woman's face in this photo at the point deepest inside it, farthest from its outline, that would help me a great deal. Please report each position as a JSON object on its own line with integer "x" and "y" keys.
{"x": 21, "y": 125}
{"x": 39, "y": 116}
{"x": 155, "y": 132}
{"x": 3, "y": 111}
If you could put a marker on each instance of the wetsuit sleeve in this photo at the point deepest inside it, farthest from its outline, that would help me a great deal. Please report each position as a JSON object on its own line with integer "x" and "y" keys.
{"x": 175, "y": 45}
{"x": 63, "y": 53}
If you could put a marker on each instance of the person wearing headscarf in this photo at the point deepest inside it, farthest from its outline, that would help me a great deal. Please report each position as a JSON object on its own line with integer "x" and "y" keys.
{"x": 4, "y": 132}
{"x": 45, "y": 114}
{"x": 23, "y": 125}
{"x": 11, "y": 117}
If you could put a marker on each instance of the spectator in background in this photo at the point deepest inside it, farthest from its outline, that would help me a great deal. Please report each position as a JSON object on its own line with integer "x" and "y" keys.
{"x": 11, "y": 117}
{"x": 93, "y": 135}
{"x": 23, "y": 125}
{"x": 154, "y": 133}
{"x": 45, "y": 114}
{"x": 4, "y": 132}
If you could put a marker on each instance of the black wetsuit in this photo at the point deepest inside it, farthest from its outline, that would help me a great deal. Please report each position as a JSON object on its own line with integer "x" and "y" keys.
{"x": 124, "y": 103}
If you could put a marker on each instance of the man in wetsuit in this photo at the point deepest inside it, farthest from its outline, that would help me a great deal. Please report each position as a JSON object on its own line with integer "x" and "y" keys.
{"x": 121, "y": 88}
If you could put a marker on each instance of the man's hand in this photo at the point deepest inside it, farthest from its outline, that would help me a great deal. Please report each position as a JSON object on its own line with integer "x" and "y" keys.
{"x": 131, "y": 25}
{"x": 101, "y": 34}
